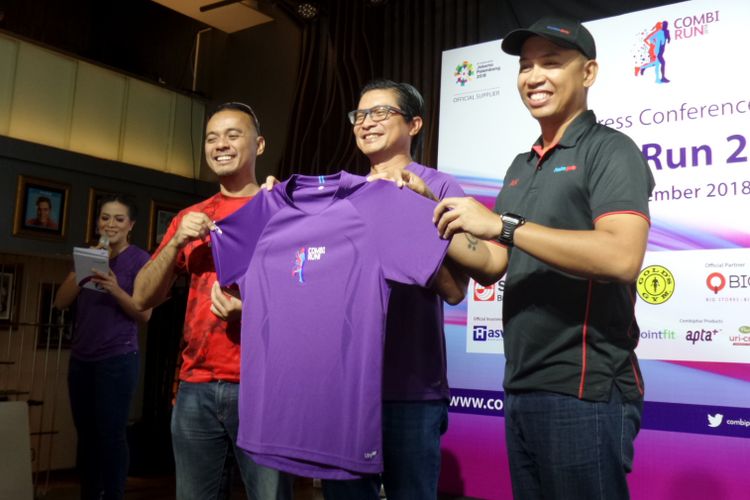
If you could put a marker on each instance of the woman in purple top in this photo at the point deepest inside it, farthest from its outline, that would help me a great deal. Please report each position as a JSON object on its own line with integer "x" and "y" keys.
{"x": 104, "y": 358}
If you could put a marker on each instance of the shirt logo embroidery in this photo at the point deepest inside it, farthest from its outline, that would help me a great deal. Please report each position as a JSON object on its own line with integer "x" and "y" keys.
{"x": 315, "y": 253}
{"x": 305, "y": 255}
{"x": 514, "y": 182}
{"x": 299, "y": 265}
{"x": 371, "y": 454}
{"x": 564, "y": 168}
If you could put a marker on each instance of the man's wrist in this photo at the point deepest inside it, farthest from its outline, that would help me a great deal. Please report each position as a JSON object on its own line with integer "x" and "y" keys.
{"x": 510, "y": 222}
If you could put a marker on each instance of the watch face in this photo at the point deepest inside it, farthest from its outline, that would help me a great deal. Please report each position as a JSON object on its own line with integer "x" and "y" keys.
{"x": 513, "y": 219}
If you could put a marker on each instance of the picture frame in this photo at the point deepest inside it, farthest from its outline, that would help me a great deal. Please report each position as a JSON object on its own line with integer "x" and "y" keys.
{"x": 10, "y": 287}
{"x": 55, "y": 325}
{"x": 92, "y": 213}
{"x": 41, "y": 208}
{"x": 160, "y": 215}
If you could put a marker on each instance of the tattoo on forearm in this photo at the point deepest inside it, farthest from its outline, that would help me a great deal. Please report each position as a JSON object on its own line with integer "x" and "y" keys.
{"x": 472, "y": 241}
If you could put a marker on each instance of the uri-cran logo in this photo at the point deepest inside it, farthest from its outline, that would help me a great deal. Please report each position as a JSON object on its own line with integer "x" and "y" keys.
{"x": 464, "y": 73}
{"x": 650, "y": 52}
{"x": 715, "y": 420}
{"x": 742, "y": 337}
{"x": 655, "y": 284}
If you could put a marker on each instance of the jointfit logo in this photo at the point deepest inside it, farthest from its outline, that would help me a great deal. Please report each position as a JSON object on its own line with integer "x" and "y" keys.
{"x": 464, "y": 73}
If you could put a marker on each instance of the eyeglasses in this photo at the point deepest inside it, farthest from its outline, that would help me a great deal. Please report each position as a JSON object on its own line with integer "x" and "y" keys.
{"x": 240, "y": 106}
{"x": 377, "y": 114}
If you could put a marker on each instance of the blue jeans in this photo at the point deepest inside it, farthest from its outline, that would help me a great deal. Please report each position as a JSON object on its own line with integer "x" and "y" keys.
{"x": 100, "y": 395}
{"x": 561, "y": 447}
{"x": 411, "y": 455}
{"x": 204, "y": 439}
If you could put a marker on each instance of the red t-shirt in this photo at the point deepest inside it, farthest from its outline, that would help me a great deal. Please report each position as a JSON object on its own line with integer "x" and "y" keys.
{"x": 212, "y": 350}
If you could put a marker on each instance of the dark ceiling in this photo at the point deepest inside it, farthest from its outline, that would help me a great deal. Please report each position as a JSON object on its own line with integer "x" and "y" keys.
{"x": 145, "y": 39}
{"x": 139, "y": 37}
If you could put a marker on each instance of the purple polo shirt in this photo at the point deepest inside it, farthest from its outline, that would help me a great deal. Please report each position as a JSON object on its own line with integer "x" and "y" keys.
{"x": 415, "y": 359}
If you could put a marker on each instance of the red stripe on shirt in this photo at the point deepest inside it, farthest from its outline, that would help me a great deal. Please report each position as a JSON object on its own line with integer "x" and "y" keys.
{"x": 585, "y": 335}
{"x": 638, "y": 383}
{"x": 631, "y": 212}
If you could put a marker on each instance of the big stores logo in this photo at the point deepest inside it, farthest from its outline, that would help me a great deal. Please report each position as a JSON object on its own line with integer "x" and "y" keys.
{"x": 728, "y": 287}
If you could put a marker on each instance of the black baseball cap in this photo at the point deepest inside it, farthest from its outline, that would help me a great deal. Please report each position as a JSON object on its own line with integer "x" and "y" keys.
{"x": 558, "y": 30}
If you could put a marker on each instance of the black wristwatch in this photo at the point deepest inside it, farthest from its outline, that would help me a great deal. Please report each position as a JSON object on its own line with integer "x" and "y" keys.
{"x": 511, "y": 222}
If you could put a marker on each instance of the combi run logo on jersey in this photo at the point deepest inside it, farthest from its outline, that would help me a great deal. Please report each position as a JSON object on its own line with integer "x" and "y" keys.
{"x": 302, "y": 256}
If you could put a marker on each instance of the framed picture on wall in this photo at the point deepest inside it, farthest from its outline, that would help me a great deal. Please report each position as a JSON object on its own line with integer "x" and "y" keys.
{"x": 41, "y": 208}
{"x": 55, "y": 326}
{"x": 161, "y": 214}
{"x": 10, "y": 286}
{"x": 92, "y": 214}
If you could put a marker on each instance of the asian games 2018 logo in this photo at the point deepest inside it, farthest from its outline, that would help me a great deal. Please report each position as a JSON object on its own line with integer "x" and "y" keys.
{"x": 650, "y": 53}
{"x": 464, "y": 73}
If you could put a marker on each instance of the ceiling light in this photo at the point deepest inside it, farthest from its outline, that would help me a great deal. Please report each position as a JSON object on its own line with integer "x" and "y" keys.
{"x": 307, "y": 11}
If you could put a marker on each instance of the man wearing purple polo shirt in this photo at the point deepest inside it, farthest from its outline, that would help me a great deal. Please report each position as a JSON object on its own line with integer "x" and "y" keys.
{"x": 386, "y": 126}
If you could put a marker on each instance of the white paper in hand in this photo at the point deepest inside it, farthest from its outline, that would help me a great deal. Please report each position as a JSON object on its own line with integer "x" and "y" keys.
{"x": 87, "y": 259}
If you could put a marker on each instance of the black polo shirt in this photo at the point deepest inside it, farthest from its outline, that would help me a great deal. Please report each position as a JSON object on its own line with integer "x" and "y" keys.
{"x": 562, "y": 333}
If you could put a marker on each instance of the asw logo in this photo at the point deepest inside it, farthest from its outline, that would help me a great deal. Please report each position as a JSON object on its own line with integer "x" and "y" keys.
{"x": 483, "y": 333}
{"x": 715, "y": 420}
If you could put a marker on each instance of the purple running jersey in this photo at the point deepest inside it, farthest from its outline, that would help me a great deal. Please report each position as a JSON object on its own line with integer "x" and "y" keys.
{"x": 313, "y": 259}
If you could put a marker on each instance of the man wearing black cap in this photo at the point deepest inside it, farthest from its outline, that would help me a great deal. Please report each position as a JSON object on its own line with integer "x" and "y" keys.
{"x": 573, "y": 214}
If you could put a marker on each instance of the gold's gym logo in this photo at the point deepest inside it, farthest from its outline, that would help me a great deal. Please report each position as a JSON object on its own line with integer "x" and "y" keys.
{"x": 655, "y": 284}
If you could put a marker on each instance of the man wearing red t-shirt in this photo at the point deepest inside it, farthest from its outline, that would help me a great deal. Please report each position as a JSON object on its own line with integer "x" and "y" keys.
{"x": 205, "y": 415}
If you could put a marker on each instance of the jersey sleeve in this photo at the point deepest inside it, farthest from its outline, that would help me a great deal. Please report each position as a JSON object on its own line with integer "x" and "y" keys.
{"x": 408, "y": 243}
{"x": 620, "y": 179}
{"x": 449, "y": 188}
{"x": 234, "y": 239}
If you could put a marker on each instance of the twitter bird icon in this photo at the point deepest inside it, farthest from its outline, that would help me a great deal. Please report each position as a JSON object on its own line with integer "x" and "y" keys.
{"x": 715, "y": 420}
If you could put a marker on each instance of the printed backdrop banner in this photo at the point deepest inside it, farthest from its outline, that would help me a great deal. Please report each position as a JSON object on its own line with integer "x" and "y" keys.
{"x": 671, "y": 78}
